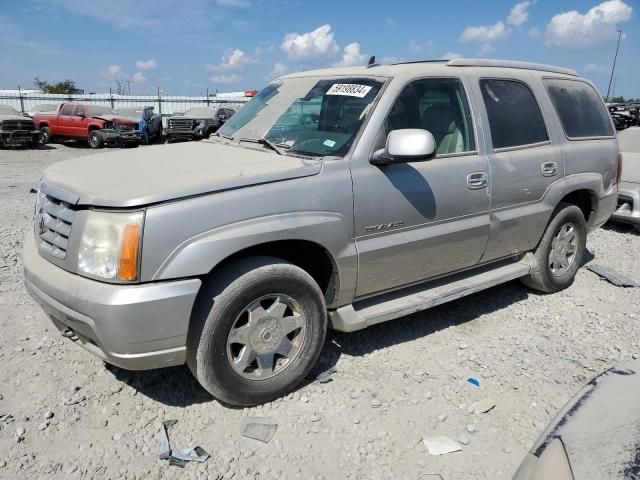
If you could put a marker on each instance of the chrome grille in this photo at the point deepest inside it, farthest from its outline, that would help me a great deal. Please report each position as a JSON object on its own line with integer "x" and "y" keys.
{"x": 54, "y": 219}
{"x": 180, "y": 124}
{"x": 13, "y": 125}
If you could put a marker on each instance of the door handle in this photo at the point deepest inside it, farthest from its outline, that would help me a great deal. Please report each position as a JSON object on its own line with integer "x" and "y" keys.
{"x": 477, "y": 180}
{"x": 549, "y": 169}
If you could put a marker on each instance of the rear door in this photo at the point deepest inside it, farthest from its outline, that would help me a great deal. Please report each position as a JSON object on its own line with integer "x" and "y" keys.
{"x": 419, "y": 220}
{"x": 525, "y": 157}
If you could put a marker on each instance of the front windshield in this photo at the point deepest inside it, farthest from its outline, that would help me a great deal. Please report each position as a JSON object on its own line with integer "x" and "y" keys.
{"x": 7, "y": 110}
{"x": 98, "y": 110}
{"x": 309, "y": 116}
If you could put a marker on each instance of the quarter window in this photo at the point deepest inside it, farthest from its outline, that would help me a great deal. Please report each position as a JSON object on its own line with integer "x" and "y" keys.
{"x": 67, "y": 109}
{"x": 439, "y": 106}
{"x": 514, "y": 115}
{"x": 580, "y": 109}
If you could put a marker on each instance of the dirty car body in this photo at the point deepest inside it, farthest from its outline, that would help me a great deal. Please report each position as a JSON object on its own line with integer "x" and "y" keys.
{"x": 149, "y": 123}
{"x": 17, "y": 129}
{"x": 387, "y": 198}
{"x": 628, "y": 207}
{"x": 595, "y": 435}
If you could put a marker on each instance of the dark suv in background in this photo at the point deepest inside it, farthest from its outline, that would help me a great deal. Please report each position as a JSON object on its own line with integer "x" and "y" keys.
{"x": 197, "y": 123}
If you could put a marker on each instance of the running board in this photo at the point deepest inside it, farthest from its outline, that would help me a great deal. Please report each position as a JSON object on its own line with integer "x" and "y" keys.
{"x": 399, "y": 303}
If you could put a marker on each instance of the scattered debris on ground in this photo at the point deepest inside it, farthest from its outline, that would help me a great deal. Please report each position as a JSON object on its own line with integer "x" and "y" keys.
{"x": 259, "y": 428}
{"x": 441, "y": 445}
{"x": 178, "y": 458}
{"x": 611, "y": 276}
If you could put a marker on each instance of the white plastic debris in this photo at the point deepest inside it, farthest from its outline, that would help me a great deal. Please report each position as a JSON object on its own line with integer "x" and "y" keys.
{"x": 441, "y": 445}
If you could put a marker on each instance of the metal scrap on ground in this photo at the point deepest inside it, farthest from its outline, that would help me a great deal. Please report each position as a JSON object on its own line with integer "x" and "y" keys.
{"x": 441, "y": 445}
{"x": 325, "y": 376}
{"x": 611, "y": 276}
{"x": 259, "y": 428}
{"x": 182, "y": 457}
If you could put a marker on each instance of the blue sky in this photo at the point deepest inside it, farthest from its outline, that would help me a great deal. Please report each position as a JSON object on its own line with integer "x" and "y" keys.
{"x": 189, "y": 46}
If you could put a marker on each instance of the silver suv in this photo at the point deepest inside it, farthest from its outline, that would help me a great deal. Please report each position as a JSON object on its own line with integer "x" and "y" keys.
{"x": 336, "y": 198}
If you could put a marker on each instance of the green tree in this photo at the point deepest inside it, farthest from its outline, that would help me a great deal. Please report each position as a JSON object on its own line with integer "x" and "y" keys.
{"x": 65, "y": 87}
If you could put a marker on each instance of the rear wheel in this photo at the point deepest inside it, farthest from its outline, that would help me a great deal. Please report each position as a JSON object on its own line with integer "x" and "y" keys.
{"x": 257, "y": 330}
{"x": 95, "y": 139}
{"x": 558, "y": 256}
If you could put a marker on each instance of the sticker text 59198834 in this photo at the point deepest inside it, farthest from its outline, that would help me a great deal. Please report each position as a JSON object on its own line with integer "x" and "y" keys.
{"x": 349, "y": 89}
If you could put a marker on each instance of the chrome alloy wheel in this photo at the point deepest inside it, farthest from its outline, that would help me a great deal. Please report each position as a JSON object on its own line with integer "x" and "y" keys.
{"x": 563, "y": 249}
{"x": 266, "y": 337}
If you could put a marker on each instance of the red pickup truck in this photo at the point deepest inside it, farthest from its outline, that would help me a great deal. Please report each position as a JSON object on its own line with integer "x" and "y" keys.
{"x": 97, "y": 125}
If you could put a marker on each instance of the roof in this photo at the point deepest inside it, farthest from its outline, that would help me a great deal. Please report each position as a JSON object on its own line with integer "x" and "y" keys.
{"x": 437, "y": 66}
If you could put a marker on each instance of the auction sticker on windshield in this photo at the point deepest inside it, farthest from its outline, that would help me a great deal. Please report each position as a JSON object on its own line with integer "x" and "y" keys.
{"x": 349, "y": 89}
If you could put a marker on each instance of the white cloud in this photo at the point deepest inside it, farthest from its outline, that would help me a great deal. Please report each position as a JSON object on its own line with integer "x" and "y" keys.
{"x": 534, "y": 32}
{"x": 307, "y": 46}
{"x": 278, "y": 70}
{"x": 146, "y": 64}
{"x": 352, "y": 56}
{"x": 451, "y": 56}
{"x": 486, "y": 48}
{"x": 391, "y": 22}
{"x": 390, "y": 60}
{"x": 518, "y": 15}
{"x": 113, "y": 71}
{"x": 230, "y": 79}
{"x": 597, "y": 25}
{"x": 139, "y": 77}
{"x": 483, "y": 33}
{"x": 232, "y": 61}
{"x": 416, "y": 47}
{"x": 234, "y": 3}
{"x": 590, "y": 67}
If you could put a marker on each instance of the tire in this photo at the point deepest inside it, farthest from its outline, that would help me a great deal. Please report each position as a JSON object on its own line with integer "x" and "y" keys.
{"x": 45, "y": 135}
{"x": 95, "y": 140}
{"x": 223, "y": 304}
{"x": 554, "y": 274}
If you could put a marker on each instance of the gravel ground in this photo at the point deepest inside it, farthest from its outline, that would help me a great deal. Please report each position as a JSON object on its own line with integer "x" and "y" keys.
{"x": 65, "y": 415}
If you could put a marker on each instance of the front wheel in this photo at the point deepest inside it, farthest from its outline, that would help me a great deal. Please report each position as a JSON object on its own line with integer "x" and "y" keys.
{"x": 95, "y": 140}
{"x": 256, "y": 331}
{"x": 558, "y": 256}
{"x": 45, "y": 135}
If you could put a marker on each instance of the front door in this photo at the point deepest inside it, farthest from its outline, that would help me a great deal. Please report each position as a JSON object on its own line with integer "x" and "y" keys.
{"x": 419, "y": 220}
{"x": 65, "y": 120}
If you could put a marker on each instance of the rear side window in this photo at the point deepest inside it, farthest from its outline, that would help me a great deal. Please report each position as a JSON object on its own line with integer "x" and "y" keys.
{"x": 580, "y": 109}
{"x": 514, "y": 115}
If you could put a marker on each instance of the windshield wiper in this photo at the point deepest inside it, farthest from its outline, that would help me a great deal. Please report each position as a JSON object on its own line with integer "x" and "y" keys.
{"x": 265, "y": 142}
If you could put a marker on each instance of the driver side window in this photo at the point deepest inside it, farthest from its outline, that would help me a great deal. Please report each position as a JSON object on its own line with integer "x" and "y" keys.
{"x": 438, "y": 105}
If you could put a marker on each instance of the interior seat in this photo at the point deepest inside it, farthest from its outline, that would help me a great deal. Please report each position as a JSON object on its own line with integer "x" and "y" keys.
{"x": 441, "y": 122}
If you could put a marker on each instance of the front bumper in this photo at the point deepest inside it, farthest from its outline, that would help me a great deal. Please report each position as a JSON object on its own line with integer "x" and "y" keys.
{"x": 628, "y": 207}
{"x": 19, "y": 137}
{"x": 117, "y": 137}
{"x": 136, "y": 327}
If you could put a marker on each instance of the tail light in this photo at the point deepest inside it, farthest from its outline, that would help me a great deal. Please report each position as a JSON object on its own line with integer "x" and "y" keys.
{"x": 619, "y": 172}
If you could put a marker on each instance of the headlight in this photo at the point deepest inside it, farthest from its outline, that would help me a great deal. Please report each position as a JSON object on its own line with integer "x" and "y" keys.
{"x": 110, "y": 245}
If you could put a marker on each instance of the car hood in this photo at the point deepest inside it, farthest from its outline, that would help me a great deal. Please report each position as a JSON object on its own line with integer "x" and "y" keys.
{"x": 130, "y": 178}
{"x": 113, "y": 118}
{"x": 14, "y": 117}
{"x": 631, "y": 167}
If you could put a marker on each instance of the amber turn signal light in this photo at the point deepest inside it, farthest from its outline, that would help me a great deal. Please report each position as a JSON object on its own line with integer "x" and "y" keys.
{"x": 128, "y": 270}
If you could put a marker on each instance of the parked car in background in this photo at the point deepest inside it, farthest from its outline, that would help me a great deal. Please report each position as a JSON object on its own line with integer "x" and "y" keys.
{"x": 405, "y": 187}
{"x": 625, "y": 115}
{"x": 149, "y": 123}
{"x": 98, "y": 125}
{"x": 197, "y": 123}
{"x": 628, "y": 208}
{"x": 16, "y": 128}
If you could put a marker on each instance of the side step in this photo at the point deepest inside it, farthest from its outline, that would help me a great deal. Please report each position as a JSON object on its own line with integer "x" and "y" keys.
{"x": 399, "y": 303}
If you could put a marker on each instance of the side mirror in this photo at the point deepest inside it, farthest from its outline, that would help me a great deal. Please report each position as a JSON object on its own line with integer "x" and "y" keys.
{"x": 406, "y": 145}
{"x": 81, "y": 115}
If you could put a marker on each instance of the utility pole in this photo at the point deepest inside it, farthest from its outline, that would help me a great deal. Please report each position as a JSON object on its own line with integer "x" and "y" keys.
{"x": 159, "y": 102}
{"x": 613, "y": 89}
{"x": 21, "y": 99}
{"x": 128, "y": 82}
{"x": 613, "y": 68}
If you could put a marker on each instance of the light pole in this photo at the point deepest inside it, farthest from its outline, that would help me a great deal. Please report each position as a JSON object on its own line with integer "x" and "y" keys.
{"x": 613, "y": 68}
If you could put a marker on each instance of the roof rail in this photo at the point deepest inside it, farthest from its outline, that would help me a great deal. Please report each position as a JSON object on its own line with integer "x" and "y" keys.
{"x": 479, "y": 62}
